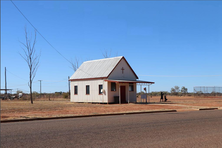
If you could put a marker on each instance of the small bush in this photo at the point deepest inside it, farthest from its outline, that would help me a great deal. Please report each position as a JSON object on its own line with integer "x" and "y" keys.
{"x": 65, "y": 95}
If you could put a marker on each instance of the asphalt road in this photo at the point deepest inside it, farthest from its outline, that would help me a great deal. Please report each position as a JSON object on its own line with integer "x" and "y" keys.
{"x": 183, "y": 129}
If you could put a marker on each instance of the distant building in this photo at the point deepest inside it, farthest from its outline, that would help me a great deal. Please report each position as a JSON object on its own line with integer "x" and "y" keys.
{"x": 106, "y": 80}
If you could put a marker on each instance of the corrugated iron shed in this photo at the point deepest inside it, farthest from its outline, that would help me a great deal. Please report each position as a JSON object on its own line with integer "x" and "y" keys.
{"x": 96, "y": 68}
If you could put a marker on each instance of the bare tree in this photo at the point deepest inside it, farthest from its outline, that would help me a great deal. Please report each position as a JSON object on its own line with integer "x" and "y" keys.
{"x": 31, "y": 58}
{"x": 75, "y": 64}
{"x": 175, "y": 90}
{"x": 106, "y": 54}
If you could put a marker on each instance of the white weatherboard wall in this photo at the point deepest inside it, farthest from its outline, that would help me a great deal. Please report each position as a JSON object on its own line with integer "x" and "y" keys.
{"x": 103, "y": 71}
{"x": 94, "y": 95}
{"x": 131, "y": 94}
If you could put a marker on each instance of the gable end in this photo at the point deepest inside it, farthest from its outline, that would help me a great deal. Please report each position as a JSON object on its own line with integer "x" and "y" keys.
{"x": 123, "y": 58}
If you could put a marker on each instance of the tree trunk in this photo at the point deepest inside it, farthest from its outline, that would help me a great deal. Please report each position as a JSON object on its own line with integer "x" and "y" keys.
{"x": 31, "y": 88}
{"x": 31, "y": 94}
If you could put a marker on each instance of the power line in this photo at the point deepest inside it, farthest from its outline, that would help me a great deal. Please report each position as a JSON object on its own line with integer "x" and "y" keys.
{"x": 44, "y": 37}
{"x": 52, "y": 81}
{"x": 18, "y": 85}
{"x": 23, "y": 84}
{"x": 40, "y": 33}
{"x": 16, "y": 75}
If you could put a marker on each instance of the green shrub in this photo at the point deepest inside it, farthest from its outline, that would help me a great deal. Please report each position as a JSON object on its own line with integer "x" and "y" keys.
{"x": 65, "y": 95}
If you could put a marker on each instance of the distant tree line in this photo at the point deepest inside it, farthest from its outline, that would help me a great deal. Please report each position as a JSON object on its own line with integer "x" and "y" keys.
{"x": 37, "y": 95}
{"x": 176, "y": 91}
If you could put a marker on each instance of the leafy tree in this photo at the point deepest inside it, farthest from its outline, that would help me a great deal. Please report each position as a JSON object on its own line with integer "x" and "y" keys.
{"x": 35, "y": 95}
{"x": 198, "y": 93}
{"x": 175, "y": 90}
{"x": 158, "y": 93}
{"x": 155, "y": 93}
{"x": 65, "y": 95}
{"x": 184, "y": 90}
{"x": 213, "y": 93}
{"x": 172, "y": 91}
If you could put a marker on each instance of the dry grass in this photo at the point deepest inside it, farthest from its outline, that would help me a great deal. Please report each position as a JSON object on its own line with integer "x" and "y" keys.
{"x": 17, "y": 109}
{"x": 193, "y": 101}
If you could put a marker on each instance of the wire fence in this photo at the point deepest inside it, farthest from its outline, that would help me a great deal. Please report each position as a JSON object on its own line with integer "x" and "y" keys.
{"x": 208, "y": 90}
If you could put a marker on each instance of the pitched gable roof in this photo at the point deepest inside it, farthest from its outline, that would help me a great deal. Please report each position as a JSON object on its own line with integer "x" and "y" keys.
{"x": 98, "y": 68}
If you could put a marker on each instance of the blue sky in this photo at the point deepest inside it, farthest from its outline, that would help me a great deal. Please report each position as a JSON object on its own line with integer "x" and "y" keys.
{"x": 168, "y": 42}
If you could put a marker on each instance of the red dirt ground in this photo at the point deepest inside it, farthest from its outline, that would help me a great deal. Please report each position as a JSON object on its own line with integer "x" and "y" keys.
{"x": 18, "y": 109}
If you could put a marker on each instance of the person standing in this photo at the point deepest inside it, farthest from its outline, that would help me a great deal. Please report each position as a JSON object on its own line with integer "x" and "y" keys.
{"x": 161, "y": 96}
{"x": 165, "y": 98}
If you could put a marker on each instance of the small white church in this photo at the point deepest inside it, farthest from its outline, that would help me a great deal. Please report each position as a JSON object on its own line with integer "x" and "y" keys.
{"x": 109, "y": 80}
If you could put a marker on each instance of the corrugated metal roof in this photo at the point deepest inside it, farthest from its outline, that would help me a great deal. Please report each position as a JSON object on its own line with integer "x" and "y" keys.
{"x": 96, "y": 68}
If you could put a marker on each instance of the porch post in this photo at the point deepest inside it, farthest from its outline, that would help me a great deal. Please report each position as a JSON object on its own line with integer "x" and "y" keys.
{"x": 128, "y": 94}
{"x": 119, "y": 95}
{"x": 149, "y": 92}
{"x": 146, "y": 95}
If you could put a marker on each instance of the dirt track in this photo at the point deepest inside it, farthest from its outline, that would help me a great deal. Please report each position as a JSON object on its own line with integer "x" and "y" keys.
{"x": 18, "y": 109}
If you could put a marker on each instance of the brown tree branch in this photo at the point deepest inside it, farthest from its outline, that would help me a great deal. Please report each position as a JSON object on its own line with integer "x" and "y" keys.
{"x": 31, "y": 58}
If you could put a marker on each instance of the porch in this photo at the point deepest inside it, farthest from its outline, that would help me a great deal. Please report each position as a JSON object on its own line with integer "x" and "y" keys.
{"x": 125, "y": 90}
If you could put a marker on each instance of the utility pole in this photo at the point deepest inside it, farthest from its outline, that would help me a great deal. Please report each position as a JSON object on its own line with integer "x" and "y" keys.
{"x": 40, "y": 87}
{"x": 69, "y": 86}
{"x": 0, "y": 61}
{"x": 149, "y": 92}
{"x": 5, "y": 83}
{"x": 0, "y": 65}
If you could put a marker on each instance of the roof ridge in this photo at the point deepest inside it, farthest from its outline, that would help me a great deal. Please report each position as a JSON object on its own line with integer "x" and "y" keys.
{"x": 103, "y": 59}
